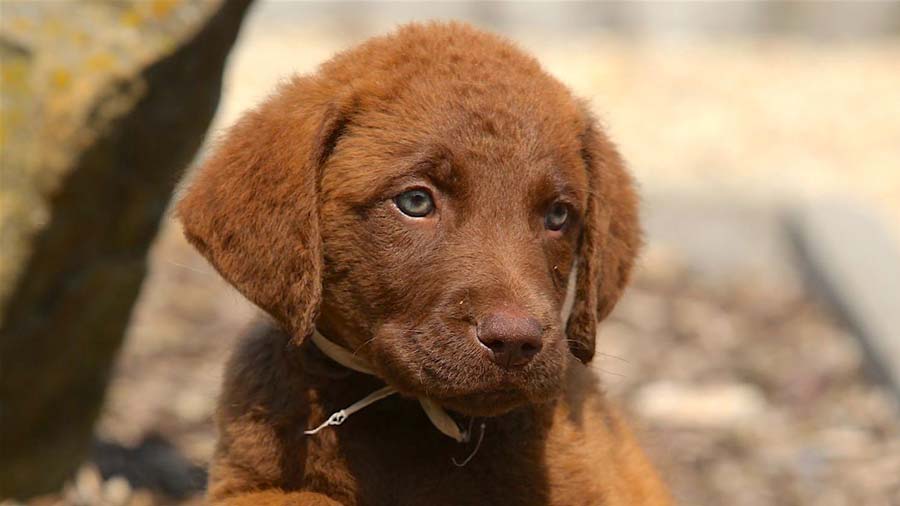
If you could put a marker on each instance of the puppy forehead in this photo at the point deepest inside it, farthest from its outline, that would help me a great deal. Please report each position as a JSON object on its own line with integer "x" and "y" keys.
{"x": 378, "y": 154}
{"x": 498, "y": 117}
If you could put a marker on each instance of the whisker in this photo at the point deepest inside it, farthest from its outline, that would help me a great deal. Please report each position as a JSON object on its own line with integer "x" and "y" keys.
{"x": 608, "y": 355}
{"x": 620, "y": 375}
{"x": 363, "y": 345}
{"x": 188, "y": 267}
{"x": 614, "y": 356}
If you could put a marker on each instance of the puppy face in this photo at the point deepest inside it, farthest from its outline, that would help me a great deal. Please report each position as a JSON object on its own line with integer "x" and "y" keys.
{"x": 468, "y": 223}
{"x": 423, "y": 200}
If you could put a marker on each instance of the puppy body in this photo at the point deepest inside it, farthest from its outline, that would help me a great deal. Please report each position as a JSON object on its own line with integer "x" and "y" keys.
{"x": 574, "y": 450}
{"x": 298, "y": 208}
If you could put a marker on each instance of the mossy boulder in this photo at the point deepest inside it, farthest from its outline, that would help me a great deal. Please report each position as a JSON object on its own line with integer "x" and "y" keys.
{"x": 104, "y": 104}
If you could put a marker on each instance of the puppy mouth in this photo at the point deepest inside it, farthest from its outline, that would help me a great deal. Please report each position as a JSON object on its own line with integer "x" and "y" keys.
{"x": 459, "y": 376}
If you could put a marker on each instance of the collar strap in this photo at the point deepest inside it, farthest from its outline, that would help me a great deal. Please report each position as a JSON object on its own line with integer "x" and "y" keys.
{"x": 438, "y": 416}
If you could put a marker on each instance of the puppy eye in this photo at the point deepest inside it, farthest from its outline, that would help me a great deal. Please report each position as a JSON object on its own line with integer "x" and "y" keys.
{"x": 416, "y": 203}
{"x": 557, "y": 216}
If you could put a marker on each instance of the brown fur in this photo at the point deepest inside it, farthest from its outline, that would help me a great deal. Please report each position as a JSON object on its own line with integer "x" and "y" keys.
{"x": 295, "y": 208}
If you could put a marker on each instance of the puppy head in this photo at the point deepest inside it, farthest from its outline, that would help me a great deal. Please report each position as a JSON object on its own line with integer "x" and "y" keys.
{"x": 423, "y": 199}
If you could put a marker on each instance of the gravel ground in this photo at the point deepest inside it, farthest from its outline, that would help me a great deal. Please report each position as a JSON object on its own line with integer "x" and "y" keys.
{"x": 750, "y": 393}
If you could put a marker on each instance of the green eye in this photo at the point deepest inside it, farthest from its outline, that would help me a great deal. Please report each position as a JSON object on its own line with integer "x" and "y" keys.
{"x": 416, "y": 203}
{"x": 557, "y": 216}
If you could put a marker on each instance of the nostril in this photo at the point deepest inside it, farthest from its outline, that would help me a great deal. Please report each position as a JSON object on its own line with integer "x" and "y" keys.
{"x": 531, "y": 349}
{"x": 495, "y": 345}
{"x": 513, "y": 338}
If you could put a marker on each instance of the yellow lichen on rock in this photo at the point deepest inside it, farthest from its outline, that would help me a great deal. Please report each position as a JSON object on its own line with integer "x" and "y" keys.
{"x": 101, "y": 62}
{"x": 60, "y": 79}
{"x": 162, "y": 8}
{"x": 13, "y": 73}
{"x": 131, "y": 18}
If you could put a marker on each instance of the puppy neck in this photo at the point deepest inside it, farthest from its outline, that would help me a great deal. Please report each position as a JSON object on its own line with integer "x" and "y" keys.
{"x": 318, "y": 366}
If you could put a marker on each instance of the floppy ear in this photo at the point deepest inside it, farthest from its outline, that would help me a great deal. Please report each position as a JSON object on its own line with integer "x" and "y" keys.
{"x": 609, "y": 242}
{"x": 252, "y": 209}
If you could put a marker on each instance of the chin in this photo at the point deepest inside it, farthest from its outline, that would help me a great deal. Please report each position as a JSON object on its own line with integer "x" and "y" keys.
{"x": 493, "y": 404}
{"x": 495, "y": 395}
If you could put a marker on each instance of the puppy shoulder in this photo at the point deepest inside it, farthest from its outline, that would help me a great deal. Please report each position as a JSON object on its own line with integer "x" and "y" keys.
{"x": 593, "y": 452}
{"x": 258, "y": 372}
{"x": 253, "y": 412}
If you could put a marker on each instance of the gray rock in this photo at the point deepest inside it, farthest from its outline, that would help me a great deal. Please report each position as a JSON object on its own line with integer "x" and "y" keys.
{"x": 719, "y": 237}
{"x": 104, "y": 104}
{"x": 853, "y": 262}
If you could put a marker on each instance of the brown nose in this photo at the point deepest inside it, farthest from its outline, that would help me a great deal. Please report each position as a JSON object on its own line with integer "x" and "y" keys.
{"x": 513, "y": 338}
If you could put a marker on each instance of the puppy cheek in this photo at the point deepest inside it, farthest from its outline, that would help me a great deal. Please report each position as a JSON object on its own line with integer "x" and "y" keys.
{"x": 405, "y": 355}
{"x": 394, "y": 357}
{"x": 547, "y": 377}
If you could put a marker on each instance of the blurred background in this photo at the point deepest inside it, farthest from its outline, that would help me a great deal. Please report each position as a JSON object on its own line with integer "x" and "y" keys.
{"x": 758, "y": 349}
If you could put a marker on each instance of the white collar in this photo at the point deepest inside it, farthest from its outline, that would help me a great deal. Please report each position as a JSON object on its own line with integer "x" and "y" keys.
{"x": 435, "y": 412}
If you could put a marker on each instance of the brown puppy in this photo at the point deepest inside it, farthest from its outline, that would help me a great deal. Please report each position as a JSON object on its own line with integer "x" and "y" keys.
{"x": 422, "y": 201}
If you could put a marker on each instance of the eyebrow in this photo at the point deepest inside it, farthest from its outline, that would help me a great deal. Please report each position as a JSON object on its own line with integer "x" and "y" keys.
{"x": 442, "y": 172}
{"x": 433, "y": 164}
{"x": 564, "y": 187}
{"x": 436, "y": 164}
{"x": 554, "y": 186}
